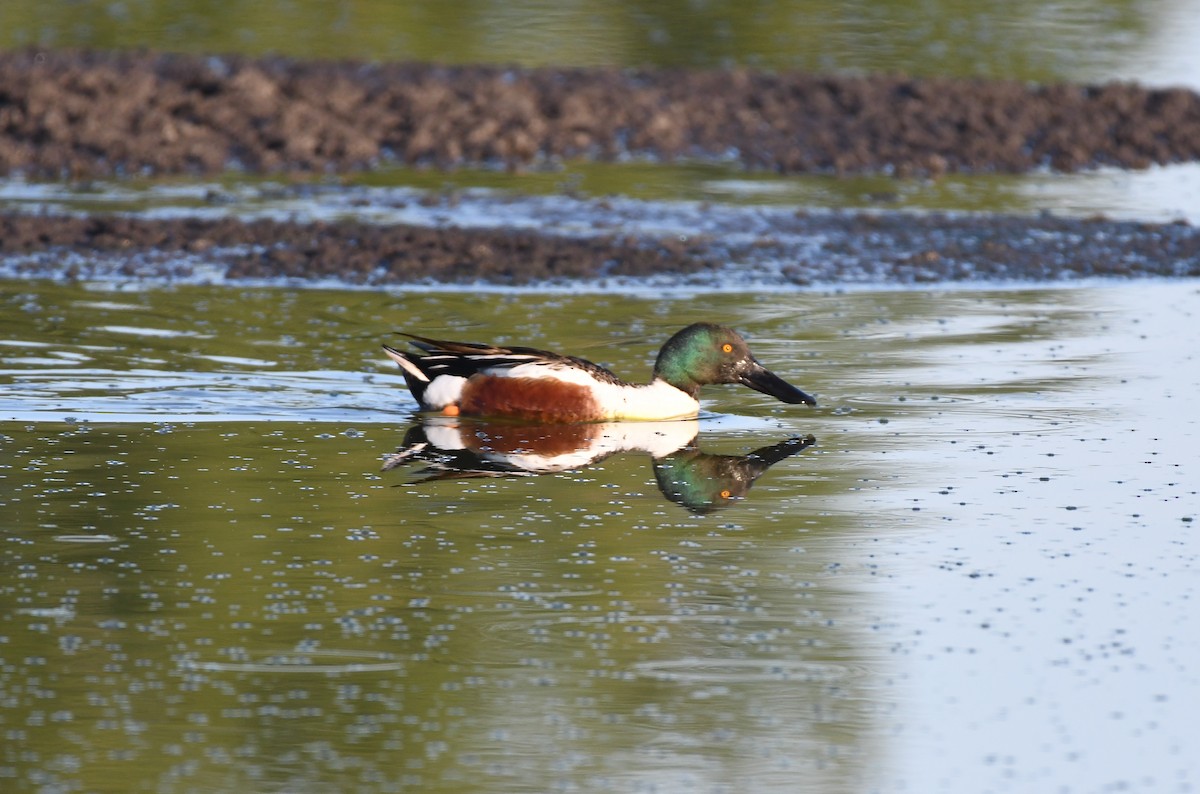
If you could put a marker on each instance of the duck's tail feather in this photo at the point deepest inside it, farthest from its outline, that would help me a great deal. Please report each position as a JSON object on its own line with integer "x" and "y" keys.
{"x": 416, "y": 379}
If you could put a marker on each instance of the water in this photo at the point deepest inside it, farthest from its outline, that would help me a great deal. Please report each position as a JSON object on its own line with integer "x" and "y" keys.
{"x": 979, "y": 576}
{"x": 1150, "y": 41}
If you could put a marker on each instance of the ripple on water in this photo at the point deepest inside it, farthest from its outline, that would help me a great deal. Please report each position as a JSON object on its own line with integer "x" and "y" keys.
{"x": 86, "y": 538}
{"x": 316, "y": 660}
{"x": 980, "y": 414}
{"x": 738, "y": 671}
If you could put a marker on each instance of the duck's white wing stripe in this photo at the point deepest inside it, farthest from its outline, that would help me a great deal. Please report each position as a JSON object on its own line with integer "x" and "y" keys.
{"x": 495, "y": 359}
{"x": 491, "y": 363}
{"x": 541, "y": 368}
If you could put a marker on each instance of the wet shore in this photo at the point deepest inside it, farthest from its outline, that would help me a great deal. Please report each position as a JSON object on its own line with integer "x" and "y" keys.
{"x": 68, "y": 115}
{"x": 843, "y": 248}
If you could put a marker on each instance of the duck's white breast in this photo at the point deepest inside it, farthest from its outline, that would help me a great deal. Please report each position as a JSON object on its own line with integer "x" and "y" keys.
{"x": 656, "y": 400}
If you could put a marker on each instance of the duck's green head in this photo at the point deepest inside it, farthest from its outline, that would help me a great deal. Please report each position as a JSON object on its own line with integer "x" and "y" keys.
{"x": 706, "y": 353}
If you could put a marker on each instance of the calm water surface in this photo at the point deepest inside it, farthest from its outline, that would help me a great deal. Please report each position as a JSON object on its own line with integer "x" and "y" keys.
{"x": 1082, "y": 40}
{"x": 981, "y": 576}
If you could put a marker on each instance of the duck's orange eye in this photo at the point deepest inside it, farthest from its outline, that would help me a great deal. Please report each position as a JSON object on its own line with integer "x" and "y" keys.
{"x": 726, "y": 494}
{"x": 728, "y": 348}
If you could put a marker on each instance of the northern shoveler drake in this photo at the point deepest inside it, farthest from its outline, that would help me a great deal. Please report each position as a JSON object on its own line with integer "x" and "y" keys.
{"x": 469, "y": 379}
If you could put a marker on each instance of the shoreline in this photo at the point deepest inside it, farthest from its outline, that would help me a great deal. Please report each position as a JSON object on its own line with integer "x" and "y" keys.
{"x": 800, "y": 249}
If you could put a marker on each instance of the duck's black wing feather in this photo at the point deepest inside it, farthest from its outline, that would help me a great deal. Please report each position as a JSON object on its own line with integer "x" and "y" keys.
{"x": 464, "y": 359}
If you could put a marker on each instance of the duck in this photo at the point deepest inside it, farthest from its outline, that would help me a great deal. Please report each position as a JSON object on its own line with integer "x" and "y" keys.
{"x": 531, "y": 385}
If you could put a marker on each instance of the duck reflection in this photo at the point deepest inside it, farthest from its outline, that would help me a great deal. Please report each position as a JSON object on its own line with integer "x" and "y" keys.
{"x": 456, "y": 448}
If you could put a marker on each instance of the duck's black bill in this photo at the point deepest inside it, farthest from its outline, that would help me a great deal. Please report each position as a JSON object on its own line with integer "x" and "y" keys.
{"x": 762, "y": 379}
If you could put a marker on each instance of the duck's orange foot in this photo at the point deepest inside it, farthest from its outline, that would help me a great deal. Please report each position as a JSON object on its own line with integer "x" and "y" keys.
{"x": 450, "y": 410}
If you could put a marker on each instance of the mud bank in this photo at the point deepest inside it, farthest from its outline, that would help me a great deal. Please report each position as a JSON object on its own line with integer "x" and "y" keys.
{"x": 76, "y": 115}
{"x": 836, "y": 249}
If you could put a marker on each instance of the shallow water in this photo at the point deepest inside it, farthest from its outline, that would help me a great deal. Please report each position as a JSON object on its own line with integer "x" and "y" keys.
{"x": 979, "y": 577}
{"x": 582, "y": 198}
{"x": 1080, "y": 40}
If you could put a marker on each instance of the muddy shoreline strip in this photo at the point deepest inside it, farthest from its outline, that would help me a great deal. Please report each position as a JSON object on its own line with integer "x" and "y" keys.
{"x": 80, "y": 115}
{"x": 894, "y": 248}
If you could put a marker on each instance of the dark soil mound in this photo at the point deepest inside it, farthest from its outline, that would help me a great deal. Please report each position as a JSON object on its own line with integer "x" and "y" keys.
{"x": 79, "y": 114}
